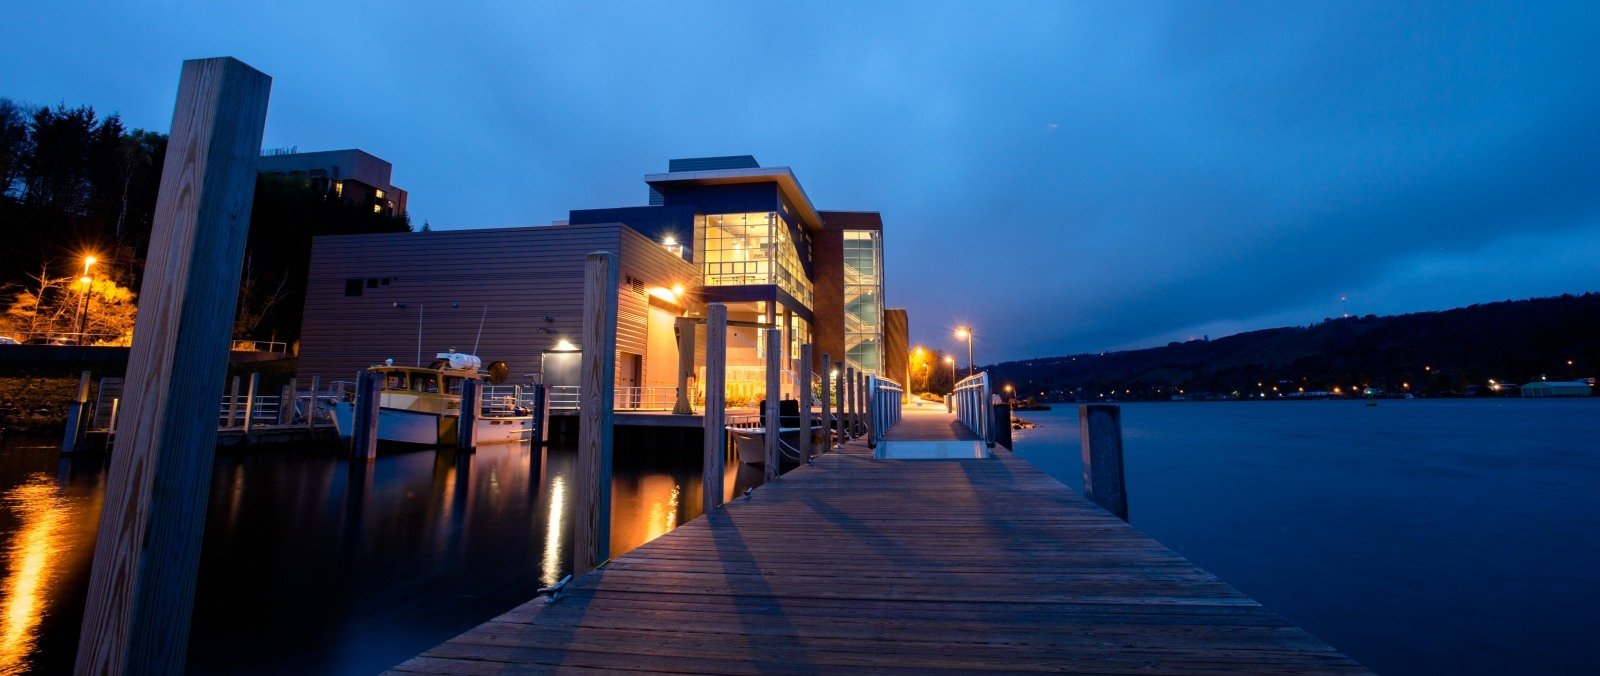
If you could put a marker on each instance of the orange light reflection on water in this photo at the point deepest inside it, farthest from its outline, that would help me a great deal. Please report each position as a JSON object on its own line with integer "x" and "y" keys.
{"x": 50, "y": 534}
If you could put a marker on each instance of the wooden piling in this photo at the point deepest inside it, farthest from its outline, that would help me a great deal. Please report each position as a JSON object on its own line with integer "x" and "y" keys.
{"x": 850, "y": 399}
{"x": 774, "y": 389}
{"x": 827, "y": 406}
{"x": 1100, "y": 431}
{"x": 141, "y": 590}
{"x": 233, "y": 403}
{"x": 250, "y": 404}
{"x": 805, "y": 404}
{"x": 364, "y": 417}
{"x": 591, "y": 526}
{"x": 75, "y": 416}
{"x": 286, "y": 402}
{"x": 541, "y": 415}
{"x": 467, "y": 422}
{"x": 715, "y": 445}
{"x": 871, "y": 409}
{"x": 842, "y": 420}
{"x": 311, "y": 404}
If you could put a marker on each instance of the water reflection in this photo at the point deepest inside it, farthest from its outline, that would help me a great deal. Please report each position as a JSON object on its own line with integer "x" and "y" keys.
{"x": 357, "y": 565}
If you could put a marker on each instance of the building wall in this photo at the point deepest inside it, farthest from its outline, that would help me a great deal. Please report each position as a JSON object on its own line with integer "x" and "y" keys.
{"x": 897, "y": 346}
{"x": 827, "y": 255}
{"x": 530, "y": 279}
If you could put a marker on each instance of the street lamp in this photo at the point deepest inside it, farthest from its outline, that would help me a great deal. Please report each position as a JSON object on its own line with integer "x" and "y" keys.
{"x": 965, "y": 333}
{"x": 83, "y": 298}
{"x": 952, "y": 362}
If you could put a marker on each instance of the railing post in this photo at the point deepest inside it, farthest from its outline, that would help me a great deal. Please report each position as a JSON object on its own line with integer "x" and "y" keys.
{"x": 591, "y": 533}
{"x": 250, "y": 404}
{"x": 141, "y": 589}
{"x": 827, "y": 406}
{"x": 774, "y": 392}
{"x": 807, "y": 433}
{"x": 714, "y": 446}
{"x": 467, "y": 422}
{"x": 1100, "y": 432}
{"x": 75, "y": 416}
{"x": 364, "y": 417}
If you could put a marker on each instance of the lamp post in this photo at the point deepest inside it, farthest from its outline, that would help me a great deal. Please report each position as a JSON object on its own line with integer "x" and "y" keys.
{"x": 952, "y": 362}
{"x": 965, "y": 333}
{"x": 82, "y": 321}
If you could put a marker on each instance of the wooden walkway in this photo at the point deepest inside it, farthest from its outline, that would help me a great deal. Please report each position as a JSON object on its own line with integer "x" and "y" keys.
{"x": 857, "y": 564}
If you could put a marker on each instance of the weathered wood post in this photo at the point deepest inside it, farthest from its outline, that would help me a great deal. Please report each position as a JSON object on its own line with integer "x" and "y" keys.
{"x": 871, "y": 406}
{"x": 806, "y": 431}
{"x": 715, "y": 445}
{"x": 141, "y": 591}
{"x": 250, "y": 404}
{"x": 685, "y": 329}
{"x": 827, "y": 407}
{"x": 842, "y": 419}
{"x": 850, "y": 399}
{"x": 541, "y": 415}
{"x": 467, "y": 423}
{"x": 311, "y": 404}
{"x": 286, "y": 402}
{"x": 364, "y": 417}
{"x": 1000, "y": 420}
{"x": 233, "y": 403}
{"x": 591, "y": 526}
{"x": 75, "y": 416}
{"x": 1100, "y": 430}
{"x": 774, "y": 393}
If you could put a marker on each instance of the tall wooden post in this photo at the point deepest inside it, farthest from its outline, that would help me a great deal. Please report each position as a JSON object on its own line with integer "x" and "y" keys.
{"x": 774, "y": 393}
{"x": 141, "y": 591}
{"x": 861, "y": 401}
{"x": 591, "y": 526}
{"x": 311, "y": 403}
{"x": 1100, "y": 431}
{"x": 715, "y": 445}
{"x": 851, "y": 406}
{"x": 685, "y": 329}
{"x": 872, "y": 409}
{"x": 806, "y": 431}
{"x": 827, "y": 406}
{"x": 838, "y": 381}
{"x": 364, "y": 417}
{"x": 250, "y": 404}
{"x": 541, "y": 416}
{"x": 233, "y": 403}
{"x": 286, "y": 402}
{"x": 467, "y": 423}
{"x": 75, "y": 416}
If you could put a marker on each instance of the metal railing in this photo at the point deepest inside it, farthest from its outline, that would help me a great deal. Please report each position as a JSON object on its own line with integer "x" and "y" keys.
{"x": 971, "y": 402}
{"x": 883, "y": 407}
{"x": 258, "y": 346}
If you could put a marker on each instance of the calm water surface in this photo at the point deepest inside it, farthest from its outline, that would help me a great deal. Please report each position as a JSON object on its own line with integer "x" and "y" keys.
{"x": 311, "y": 564}
{"x": 1423, "y": 536}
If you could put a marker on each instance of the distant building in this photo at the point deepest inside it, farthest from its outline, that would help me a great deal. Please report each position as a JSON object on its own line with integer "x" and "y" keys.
{"x": 1557, "y": 388}
{"x": 356, "y": 176}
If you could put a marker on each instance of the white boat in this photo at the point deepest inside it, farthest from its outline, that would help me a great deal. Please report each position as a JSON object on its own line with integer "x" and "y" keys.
{"x": 422, "y": 405}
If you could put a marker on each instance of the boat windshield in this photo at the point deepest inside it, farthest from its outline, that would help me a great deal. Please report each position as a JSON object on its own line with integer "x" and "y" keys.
{"x": 424, "y": 382}
{"x": 452, "y": 384}
{"x": 394, "y": 380}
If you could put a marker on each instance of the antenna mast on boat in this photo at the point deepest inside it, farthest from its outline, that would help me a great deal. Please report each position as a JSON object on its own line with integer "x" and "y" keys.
{"x": 420, "y": 308}
{"x": 484, "y": 316}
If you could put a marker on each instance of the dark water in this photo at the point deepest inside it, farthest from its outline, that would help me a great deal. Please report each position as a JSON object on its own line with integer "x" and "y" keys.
{"x": 1453, "y": 536}
{"x": 312, "y": 564}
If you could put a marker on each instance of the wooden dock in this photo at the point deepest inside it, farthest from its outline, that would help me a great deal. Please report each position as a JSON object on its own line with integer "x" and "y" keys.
{"x": 855, "y": 563}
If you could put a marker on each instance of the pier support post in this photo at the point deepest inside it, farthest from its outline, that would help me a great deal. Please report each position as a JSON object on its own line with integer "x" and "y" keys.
{"x": 286, "y": 402}
{"x": 233, "y": 403}
{"x": 838, "y": 381}
{"x": 591, "y": 527}
{"x": 850, "y": 399}
{"x": 540, "y": 413}
{"x": 1100, "y": 430}
{"x": 250, "y": 405}
{"x": 1001, "y": 420}
{"x": 467, "y": 423}
{"x": 141, "y": 590}
{"x": 685, "y": 329}
{"x": 311, "y": 404}
{"x": 871, "y": 406}
{"x": 774, "y": 393}
{"x": 827, "y": 406}
{"x": 806, "y": 431}
{"x": 75, "y": 416}
{"x": 715, "y": 445}
{"x": 364, "y": 417}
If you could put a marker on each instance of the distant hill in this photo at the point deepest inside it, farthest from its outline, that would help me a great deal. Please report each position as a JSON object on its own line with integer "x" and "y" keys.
{"x": 1446, "y": 353}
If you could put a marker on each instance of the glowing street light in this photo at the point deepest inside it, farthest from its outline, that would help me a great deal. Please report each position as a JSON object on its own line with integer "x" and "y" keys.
{"x": 83, "y": 298}
{"x": 965, "y": 333}
{"x": 952, "y": 362}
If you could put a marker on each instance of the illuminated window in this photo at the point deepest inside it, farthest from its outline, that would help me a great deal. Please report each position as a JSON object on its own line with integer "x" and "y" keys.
{"x": 863, "y": 299}
{"x": 753, "y": 248}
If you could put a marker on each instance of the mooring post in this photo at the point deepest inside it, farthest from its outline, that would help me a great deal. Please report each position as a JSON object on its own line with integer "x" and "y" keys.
{"x": 1100, "y": 431}
{"x": 286, "y": 402}
{"x": 75, "y": 416}
{"x": 685, "y": 329}
{"x": 364, "y": 417}
{"x": 807, "y": 432}
{"x": 1001, "y": 415}
{"x": 233, "y": 403}
{"x": 141, "y": 590}
{"x": 840, "y": 390}
{"x": 714, "y": 447}
{"x": 250, "y": 404}
{"x": 774, "y": 393}
{"x": 872, "y": 410}
{"x": 467, "y": 422}
{"x": 311, "y": 403}
{"x": 827, "y": 406}
{"x": 541, "y": 420}
{"x": 591, "y": 526}
{"x": 850, "y": 399}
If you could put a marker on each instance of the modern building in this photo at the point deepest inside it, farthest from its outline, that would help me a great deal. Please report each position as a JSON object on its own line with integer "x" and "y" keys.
{"x": 722, "y": 230}
{"x": 355, "y": 176}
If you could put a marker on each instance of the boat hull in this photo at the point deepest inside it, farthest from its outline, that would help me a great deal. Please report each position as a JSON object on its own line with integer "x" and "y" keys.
{"x": 433, "y": 429}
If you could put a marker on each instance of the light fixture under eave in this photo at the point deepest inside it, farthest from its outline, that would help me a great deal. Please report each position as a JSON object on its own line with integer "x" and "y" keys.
{"x": 565, "y": 345}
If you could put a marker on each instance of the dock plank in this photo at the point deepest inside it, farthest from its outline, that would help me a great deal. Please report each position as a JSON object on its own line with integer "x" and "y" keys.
{"x": 895, "y": 566}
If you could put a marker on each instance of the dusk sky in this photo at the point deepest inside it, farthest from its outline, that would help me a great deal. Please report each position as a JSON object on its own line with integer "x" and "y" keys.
{"x": 1066, "y": 177}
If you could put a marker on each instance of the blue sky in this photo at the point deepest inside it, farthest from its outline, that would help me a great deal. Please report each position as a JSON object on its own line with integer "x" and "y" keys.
{"x": 1065, "y": 177}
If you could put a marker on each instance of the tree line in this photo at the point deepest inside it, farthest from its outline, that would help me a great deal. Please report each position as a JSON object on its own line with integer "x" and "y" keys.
{"x": 77, "y": 186}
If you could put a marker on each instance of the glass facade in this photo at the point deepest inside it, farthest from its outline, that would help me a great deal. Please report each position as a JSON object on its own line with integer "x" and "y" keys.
{"x": 753, "y": 248}
{"x": 863, "y": 300}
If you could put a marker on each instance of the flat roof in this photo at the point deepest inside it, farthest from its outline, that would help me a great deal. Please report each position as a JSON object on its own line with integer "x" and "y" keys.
{"x": 783, "y": 176}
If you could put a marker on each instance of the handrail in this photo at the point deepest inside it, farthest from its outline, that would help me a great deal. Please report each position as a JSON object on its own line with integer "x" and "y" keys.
{"x": 883, "y": 407}
{"x": 971, "y": 397}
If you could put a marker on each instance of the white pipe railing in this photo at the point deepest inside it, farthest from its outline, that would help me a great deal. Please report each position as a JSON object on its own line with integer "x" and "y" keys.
{"x": 971, "y": 397}
{"x": 883, "y": 408}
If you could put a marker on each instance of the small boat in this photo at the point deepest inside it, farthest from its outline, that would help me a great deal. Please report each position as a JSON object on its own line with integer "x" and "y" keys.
{"x": 752, "y": 443}
{"x": 422, "y": 405}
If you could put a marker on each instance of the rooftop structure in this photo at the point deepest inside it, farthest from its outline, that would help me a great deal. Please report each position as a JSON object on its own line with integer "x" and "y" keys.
{"x": 356, "y": 176}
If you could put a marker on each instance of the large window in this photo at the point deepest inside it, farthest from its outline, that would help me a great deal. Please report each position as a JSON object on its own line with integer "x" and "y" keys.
{"x": 753, "y": 248}
{"x": 863, "y": 300}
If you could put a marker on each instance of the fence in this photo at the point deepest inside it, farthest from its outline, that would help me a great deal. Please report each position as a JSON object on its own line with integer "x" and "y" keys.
{"x": 971, "y": 402}
{"x": 883, "y": 409}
